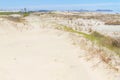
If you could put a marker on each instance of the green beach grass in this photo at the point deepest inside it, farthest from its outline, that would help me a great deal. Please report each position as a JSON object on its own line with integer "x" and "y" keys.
{"x": 97, "y": 38}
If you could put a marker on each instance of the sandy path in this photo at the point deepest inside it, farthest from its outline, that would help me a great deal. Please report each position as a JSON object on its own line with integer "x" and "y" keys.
{"x": 39, "y": 56}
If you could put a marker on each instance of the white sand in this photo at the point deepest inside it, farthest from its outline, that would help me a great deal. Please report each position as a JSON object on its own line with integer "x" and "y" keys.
{"x": 42, "y": 55}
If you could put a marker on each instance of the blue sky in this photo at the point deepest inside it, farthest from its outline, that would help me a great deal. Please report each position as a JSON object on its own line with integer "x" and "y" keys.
{"x": 61, "y": 4}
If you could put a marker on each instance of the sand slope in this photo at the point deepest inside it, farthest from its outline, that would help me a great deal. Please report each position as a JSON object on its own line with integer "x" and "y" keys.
{"x": 43, "y": 54}
{"x": 40, "y": 56}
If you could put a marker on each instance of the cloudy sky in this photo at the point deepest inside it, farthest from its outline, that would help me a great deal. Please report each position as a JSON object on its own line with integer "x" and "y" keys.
{"x": 61, "y": 4}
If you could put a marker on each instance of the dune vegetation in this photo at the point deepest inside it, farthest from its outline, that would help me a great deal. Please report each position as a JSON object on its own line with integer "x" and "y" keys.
{"x": 98, "y": 38}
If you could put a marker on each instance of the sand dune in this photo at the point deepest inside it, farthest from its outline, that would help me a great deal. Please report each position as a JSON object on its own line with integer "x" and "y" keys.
{"x": 44, "y": 55}
{"x": 41, "y": 54}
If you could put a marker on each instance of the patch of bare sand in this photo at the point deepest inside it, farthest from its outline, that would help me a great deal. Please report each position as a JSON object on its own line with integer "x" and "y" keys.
{"x": 43, "y": 55}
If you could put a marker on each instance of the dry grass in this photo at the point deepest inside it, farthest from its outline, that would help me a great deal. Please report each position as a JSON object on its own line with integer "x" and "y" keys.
{"x": 112, "y": 22}
{"x": 14, "y": 19}
{"x": 108, "y": 19}
{"x": 94, "y": 51}
{"x": 99, "y": 39}
{"x": 105, "y": 41}
{"x": 9, "y": 13}
{"x": 24, "y": 14}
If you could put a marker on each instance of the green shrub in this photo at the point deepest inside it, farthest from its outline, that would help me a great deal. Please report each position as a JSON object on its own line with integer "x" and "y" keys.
{"x": 26, "y": 14}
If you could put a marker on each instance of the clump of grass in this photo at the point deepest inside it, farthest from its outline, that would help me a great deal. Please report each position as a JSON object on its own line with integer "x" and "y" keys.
{"x": 106, "y": 41}
{"x": 25, "y": 14}
{"x": 117, "y": 22}
{"x": 9, "y": 13}
{"x": 14, "y": 19}
{"x": 98, "y": 38}
{"x": 69, "y": 29}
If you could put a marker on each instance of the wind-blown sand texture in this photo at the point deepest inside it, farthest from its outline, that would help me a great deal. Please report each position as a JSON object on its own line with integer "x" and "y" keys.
{"x": 28, "y": 51}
